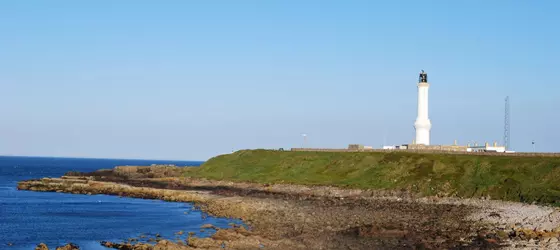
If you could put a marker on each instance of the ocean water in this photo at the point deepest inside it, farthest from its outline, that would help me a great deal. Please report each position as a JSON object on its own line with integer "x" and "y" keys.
{"x": 29, "y": 218}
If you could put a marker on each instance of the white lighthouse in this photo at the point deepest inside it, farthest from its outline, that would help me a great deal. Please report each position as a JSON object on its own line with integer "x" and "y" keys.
{"x": 423, "y": 124}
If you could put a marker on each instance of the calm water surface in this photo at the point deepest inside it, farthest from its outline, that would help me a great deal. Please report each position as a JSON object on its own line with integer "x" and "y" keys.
{"x": 28, "y": 218}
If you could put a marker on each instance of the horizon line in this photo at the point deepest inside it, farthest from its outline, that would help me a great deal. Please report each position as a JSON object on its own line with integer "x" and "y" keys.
{"x": 95, "y": 158}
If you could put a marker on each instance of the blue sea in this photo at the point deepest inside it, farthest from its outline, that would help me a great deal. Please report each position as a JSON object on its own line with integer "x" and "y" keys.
{"x": 29, "y": 218}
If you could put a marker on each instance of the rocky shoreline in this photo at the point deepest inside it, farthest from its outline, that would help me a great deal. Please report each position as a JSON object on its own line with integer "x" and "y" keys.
{"x": 284, "y": 216}
{"x": 68, "y": 246}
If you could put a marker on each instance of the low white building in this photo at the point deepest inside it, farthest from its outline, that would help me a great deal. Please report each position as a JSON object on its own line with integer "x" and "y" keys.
{"x": 487, "y": 148}
{"x": 395, "y": 147}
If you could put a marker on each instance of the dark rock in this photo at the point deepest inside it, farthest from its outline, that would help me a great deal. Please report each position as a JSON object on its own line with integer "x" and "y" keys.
{"x": 107, "y": 244}
{"x": 512, "y": 234}
{"x": 122, "y": 246}
{"x": 494, "y": 214}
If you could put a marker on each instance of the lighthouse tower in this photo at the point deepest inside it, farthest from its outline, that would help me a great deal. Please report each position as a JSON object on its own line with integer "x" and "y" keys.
{"x": 423, "y": 124}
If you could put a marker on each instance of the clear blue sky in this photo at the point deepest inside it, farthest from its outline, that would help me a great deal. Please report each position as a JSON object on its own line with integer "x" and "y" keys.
{"x": 191, "y": 79}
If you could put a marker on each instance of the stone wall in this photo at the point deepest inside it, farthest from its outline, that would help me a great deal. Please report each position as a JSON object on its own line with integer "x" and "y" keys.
{"x": 427, "y": 151}
{"x": 437, "y": 147}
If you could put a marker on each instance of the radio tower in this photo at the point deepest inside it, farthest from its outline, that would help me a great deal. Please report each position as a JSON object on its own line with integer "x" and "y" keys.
{"x": 506, "y": 125}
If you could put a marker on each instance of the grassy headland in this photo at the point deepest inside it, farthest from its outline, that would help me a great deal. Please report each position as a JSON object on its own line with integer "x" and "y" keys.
{"x": 514, "y": 178}
{"x": 298, "y": 217}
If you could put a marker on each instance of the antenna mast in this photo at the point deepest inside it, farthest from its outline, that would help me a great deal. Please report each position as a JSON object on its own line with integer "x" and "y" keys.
{"x": 304, "y": 140}
{"x": 506, "y": 125}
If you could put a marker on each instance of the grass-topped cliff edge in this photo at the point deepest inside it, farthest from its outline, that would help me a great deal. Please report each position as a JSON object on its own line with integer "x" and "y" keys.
{"x": 514, "y": 178}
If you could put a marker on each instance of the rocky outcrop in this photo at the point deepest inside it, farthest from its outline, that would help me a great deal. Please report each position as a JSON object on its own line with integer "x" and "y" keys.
{"x": 69, "y": 246}
{"x": 127, "y": 246}
{"x": 41, "y": 246}
{"x": 285, "y": 216}
{"x": 209, "y": 226}
{"x": 168, "y": 245}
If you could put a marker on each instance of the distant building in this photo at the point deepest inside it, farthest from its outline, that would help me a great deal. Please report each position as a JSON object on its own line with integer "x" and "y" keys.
{"x": 455, "y": 148}
{"x": 359, "y": 147}
{"x": 487, "y": 148}
{"x": 355, "y": 147}
{"x": 395, "y": 147}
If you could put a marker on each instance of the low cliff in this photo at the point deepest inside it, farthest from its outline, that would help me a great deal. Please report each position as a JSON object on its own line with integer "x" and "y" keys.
{"x": 513, "y": 178}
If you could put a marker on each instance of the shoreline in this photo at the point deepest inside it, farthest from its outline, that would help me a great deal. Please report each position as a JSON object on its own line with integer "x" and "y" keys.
{"x": 285, "y": 216}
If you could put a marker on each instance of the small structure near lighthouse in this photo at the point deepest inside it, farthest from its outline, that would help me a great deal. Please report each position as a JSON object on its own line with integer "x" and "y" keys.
{"x": 423, "y": 124}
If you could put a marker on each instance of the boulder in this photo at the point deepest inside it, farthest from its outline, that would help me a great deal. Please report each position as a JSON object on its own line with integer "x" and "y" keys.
{"x": 203, "y": 243}
{"x": 41, "y": 246}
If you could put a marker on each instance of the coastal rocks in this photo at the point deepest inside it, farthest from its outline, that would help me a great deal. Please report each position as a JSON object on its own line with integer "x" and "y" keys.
{"x": 69, "y": 246}
{"x": 127, "y": 246}
{"x": 168, "y": 245}
{"x": 313, "y": 217}
{"x": 110, "y": 188}
{"x": 142, "y": 246}
{"x": 122, "y": 246}
{"x": 520, "y": 238}
{"x": 209, "y": 226}
{"x": 42, "y": 246}
{"x": 233, "y": 238}
{"x": 240, "y": 238}
{"x": 107, "y": 244}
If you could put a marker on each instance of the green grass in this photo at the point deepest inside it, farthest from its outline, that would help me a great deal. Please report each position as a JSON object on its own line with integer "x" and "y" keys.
{"x": 526, "y": 179}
